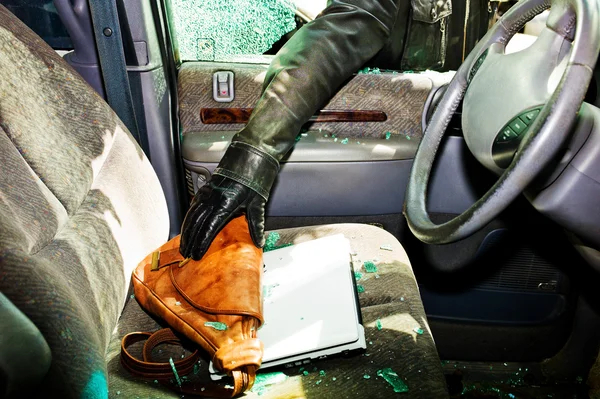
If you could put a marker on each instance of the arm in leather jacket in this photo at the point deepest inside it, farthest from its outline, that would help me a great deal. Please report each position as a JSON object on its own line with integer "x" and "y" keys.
{"x": 302, "y": 77}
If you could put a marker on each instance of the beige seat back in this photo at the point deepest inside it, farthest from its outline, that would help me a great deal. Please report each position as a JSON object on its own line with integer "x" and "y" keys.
{"x": 80, "y": 205}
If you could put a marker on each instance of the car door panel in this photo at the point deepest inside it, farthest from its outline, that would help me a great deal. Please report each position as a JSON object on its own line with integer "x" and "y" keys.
{"x": 336, "y": 168}
{"x": 402, "y": 97}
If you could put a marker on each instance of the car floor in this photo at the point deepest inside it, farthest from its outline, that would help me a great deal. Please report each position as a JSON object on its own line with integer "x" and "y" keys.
{"x": 479, "y": 380}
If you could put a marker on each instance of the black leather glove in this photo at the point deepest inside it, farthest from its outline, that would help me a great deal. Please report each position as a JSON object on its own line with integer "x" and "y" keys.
{"x": 241, "y": 184}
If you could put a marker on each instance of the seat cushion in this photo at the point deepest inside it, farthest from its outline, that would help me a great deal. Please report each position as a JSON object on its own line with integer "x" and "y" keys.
{"x": 80, "y": 205}
{"x": 404, "y": 342}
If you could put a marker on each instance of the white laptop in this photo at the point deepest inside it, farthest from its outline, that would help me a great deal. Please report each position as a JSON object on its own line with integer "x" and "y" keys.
{"x": 310, "y": 303}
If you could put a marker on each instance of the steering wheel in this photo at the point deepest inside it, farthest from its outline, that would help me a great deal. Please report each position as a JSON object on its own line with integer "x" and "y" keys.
{"x": 518, "y": 109}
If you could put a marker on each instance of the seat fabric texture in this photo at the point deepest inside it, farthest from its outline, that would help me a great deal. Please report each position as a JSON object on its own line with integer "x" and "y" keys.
{"x": 391, "y": 295}
{"x": 80, "y": 206}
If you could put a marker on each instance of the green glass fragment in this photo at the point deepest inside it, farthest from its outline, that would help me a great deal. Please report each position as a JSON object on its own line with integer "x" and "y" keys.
{"x": 344, "y": 141}
{"x": 305, "y": 372}
{"x": 216, "y": 325}
{"x": 358, "y": 275}
{"x": 393, "y": 379}
{"x": 318, "y": 382}
{"x": 271, "y": 241}
{"x": 369, "y": 71}
{"x": 175, "y": 372}
{"x": 388, "y": 135}
{"x": 370, "y": 267}
{"x": 378, "y": 324}
{"x": 366, "y": 376}
{"x": 418, "y": 330}
{"x": 268, "y": 290}
{"x": 407, "y": 137}
{"x": 360, "y": 288}
{"x": 322, "y": 373}
{"x": 264, "y": 380}
{"x": 333, "y": 379}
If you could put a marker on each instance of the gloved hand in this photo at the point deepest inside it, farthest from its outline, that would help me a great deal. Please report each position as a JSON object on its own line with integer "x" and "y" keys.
{"x": 240, "y": 184}
{"x": 214, "y": 205}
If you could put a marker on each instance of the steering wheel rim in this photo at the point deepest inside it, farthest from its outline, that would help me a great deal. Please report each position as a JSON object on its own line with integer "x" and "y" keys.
{"x": 547, "y": 134}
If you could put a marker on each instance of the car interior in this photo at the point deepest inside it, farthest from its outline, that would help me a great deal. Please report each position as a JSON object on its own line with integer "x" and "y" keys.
{"x": 481, "y": 172}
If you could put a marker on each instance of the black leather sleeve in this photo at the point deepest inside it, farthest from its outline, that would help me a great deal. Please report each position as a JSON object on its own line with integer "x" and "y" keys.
{"x": 313, "y": 64}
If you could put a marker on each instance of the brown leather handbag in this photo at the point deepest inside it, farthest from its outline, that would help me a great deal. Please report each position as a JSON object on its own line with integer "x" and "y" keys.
{"x": 215, "y": 302}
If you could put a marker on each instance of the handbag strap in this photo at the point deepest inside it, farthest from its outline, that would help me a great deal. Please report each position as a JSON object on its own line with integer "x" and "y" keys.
{"x": 163, "y": 371}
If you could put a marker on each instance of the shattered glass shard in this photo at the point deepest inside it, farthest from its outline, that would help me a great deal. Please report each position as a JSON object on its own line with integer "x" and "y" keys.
{"x": 175, "y": 372}
{"x": 358, "y": 275}
{"x": 418, "y": 330}
{"x": 360, "y": 288}
{"x": 216, "y": 325}
{"x": 370, "y": 267}
{"x": 272, "y": 239}
{"x": 268, "y": 290}
{"x": 378, "y": 324}
{"x": 264, "y": 380}
{"x": 393, "y": 379}
{"x": 271, "y": 242}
